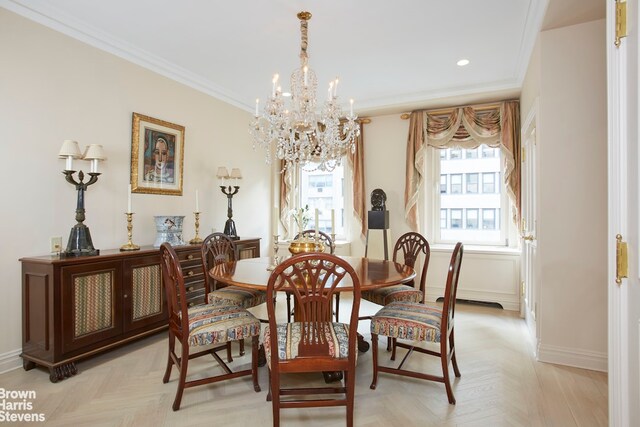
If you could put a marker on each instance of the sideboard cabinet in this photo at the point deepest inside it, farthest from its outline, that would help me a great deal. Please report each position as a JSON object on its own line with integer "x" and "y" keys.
{"x": 76, "y": 307}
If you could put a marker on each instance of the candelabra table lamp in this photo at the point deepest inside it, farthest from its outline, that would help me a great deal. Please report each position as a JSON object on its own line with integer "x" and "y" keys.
{"x": 80, "y": 243}
{"x": 229, "y": 191}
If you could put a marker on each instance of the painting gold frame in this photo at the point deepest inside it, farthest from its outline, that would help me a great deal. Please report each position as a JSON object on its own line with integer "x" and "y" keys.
{"x": 157, "y": 156}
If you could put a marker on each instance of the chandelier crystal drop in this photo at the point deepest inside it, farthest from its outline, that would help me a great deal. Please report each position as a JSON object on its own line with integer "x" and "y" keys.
{"x": 300, "y": 136}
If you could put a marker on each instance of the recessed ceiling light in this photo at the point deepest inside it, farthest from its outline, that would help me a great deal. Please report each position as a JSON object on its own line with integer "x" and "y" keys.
{"x": 286, "y": 94}
{"x": 462, "y": 62}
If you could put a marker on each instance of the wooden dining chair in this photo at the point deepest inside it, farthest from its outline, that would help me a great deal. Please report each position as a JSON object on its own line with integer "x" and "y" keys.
{"x": 406, "y": 251}
{"x": 216, "y": 249}
{"x": 330, "y": 247}
{"x": 417, "y": 322}
{"x": 211, "y": 325}
{"x": 313, "y": 343}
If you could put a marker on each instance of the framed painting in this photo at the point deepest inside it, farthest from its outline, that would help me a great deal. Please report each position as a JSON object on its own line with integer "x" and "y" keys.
{"x": 157, "y": 156}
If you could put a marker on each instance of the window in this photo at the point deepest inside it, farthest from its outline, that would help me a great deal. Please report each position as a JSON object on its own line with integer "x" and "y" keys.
{"x": 470, "y": 210}
{"x": 456, "y": 183}
{"x": 489, "y": 182}
{"x": 472, "y": 183}
{"x": 455, "y": 153}
{"x": 456, "y": 218}
{"x": 488, "y": 219}
{"x": 471, "y": 154}
{"x": 472, "y": 219}
{"x": 489, "y": 152}
{"x": 324, "y": 191}
{"x": 443, "y": 184}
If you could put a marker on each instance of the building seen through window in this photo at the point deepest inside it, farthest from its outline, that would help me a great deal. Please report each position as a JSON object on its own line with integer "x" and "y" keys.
{"x": 471, "y": 196}
{"x": 324, "y": 191}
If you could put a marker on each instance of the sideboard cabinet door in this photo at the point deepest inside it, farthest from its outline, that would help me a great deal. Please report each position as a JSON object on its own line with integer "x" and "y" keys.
{"x": 90, "y": 304}
{"x": 143, "y": 295}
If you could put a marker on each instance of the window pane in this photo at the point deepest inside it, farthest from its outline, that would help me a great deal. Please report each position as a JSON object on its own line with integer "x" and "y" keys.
{"x": 488, "y": 219}
{"x": 488, "y": 182}
{"x": 456, "y": 183}
{"x": 472, "y": 183}
{"x": 443, "y": 218}
{"x": 471, "y": 154}
{"x": 472, "y": 219}
{"x": 488, "y": 151}
{"x": 443, "y": 154}
{"x": 455, "y": 153}
{"x": 443, "y": 184}
{"x": 456, "y": 218}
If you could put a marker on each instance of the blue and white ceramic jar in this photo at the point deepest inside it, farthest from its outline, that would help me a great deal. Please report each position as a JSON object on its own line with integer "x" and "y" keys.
{"x": 169, "y": 229}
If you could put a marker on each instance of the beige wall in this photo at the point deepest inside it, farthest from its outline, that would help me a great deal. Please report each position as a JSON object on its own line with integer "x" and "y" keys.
{"x": 54, "y": 88}
{"x": 568, "y": 75}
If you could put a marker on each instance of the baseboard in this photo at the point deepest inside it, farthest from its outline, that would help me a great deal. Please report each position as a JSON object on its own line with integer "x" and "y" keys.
{"x": 507, "y": 301}
{"x": 10, "y": 360}
{"x": 584, "y": 359}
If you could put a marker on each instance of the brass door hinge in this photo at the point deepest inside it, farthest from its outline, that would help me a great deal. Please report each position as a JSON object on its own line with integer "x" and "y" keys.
{"x": 621, "y": 21}
{"x": 621, "y": 260}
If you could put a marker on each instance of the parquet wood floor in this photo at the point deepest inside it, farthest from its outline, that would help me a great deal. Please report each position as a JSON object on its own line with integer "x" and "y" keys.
{"x": 501, "y": 385}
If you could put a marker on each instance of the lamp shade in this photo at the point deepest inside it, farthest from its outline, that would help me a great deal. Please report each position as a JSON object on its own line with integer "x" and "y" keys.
{"x": 222, "y": 172}
{"x": 71, "y": 149}
{"x": 94, "y": 152}
{"x": 235, "y": 173}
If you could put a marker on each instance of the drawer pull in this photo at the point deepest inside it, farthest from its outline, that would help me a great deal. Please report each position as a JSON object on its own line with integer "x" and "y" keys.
{"x": 190, "y": 288}
{"x": 190, "y": 273}
{"x": 191, "y": 304}
{"x": 190, "y": 256}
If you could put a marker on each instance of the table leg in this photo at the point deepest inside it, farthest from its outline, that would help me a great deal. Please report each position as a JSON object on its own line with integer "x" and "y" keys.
{"x": 262, "y": 357}
{"x": 363, "y": 346}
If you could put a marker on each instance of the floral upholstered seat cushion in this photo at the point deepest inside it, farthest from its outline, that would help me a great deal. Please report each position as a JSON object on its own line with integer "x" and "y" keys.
{"x": 389, "y": 294}
{"x": 213, "y": 324}
{"x": 290, "y": 334}
{"x": 242, "y": 297}
{"x": 408, "y": 321}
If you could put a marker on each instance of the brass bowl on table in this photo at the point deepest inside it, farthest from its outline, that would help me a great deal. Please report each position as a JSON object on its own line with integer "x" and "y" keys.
{"x": 305, "y": 245}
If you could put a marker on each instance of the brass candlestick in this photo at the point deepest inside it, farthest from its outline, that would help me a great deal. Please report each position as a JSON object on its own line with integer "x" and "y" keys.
{"x": 276, "y": 259}
{"x": 129, "y": 246}
{"x": 196, "y": 240}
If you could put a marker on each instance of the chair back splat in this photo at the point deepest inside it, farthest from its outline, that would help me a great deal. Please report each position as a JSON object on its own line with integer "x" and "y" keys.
{"x": 313, "y": 343}
{"x": 410, "y": 245}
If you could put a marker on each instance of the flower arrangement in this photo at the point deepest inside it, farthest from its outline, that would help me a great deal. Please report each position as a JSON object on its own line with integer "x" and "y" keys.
{"x": 301, "y": 216}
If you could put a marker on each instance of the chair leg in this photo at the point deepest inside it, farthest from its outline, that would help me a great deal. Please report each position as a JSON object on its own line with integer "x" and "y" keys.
{"x": 374, "y": 357}
{"x": 389, "y": 344}
{"x": 337, "y": 306}
{"x": 269, "y": 392}
{"x": 275, "y": 399}
{"x": 172, "y": 346}
{"x": 184, "y": 363}
{"x": 454, "y": 362}
{"x": 241, "y": 343}
{"x": 350, "y": 385}
{"x": 288, "y": 307}
{"x": 229, "y": 356}
{"x": 393, "y": 347}
{"x": 445, "y": 371}
{"x": 254, "y": 363}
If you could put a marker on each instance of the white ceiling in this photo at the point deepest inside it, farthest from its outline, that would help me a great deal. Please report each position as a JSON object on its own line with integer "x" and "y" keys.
{"x": 390, "y": 56}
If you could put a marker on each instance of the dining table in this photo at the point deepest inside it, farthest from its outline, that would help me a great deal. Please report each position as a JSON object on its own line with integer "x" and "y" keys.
{"x": 373, "y": 273}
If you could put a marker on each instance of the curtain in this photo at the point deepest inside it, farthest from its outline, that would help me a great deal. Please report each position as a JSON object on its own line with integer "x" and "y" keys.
{"x": 464, "y": 127}
{"x": 356, "y": 162}
{"x": 414, "y": 168}
{"x": 286, "y": 203}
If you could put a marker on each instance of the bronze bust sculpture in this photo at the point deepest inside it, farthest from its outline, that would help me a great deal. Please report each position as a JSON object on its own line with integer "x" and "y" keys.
{"x": 378, "y": 199}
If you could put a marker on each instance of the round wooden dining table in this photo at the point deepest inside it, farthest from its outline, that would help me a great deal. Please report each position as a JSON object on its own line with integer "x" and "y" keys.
{"x": 373, "y": 273}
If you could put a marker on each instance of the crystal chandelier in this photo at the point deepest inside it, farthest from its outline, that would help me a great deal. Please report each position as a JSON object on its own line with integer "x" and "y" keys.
{"x": 299, "y": 135}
